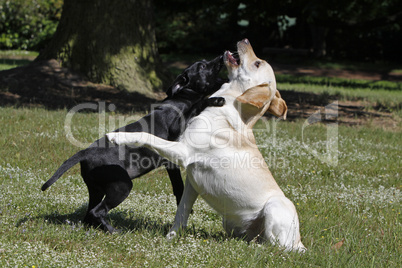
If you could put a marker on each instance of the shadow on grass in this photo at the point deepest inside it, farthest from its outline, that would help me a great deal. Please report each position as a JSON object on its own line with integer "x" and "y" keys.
{"x": 46, "y": 84}
{"x": 14, "y": 62}
{"x": 59, "y": 219}
{"x": 124, "y": 222}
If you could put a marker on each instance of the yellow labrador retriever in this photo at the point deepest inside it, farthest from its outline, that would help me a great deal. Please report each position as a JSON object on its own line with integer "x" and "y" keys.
{"x": 223, "y": 163}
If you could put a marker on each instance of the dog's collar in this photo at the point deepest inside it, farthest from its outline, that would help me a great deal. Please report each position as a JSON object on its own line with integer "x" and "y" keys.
{"x": 186, "y": 92}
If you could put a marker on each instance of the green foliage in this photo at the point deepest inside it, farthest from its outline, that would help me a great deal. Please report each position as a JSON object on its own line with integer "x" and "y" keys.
{"x": 347, "y": 29}
{"x": 27, "y": 24}
{"x": 195, "y": 26}
{"x": 357, "y": 29}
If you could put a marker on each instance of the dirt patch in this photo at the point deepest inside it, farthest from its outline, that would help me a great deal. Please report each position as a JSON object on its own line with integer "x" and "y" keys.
{"x": 46, "y": 84}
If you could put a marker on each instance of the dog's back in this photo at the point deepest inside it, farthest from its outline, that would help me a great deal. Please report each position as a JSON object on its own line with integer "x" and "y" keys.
{"x": 167, "y": 121}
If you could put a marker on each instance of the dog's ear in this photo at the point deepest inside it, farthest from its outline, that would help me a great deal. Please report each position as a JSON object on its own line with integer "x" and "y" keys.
{"x": 178, "y": 84}
{"x": 256, "y": 96}
{"x": 278, "y": 106}
{"x": 253, "y": 103}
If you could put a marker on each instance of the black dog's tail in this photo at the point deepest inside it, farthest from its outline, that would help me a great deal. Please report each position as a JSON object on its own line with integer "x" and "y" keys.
{"x": 69, "y": 163}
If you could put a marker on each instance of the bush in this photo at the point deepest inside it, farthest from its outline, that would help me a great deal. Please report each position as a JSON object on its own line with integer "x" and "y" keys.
{"x": 27, "y": 24}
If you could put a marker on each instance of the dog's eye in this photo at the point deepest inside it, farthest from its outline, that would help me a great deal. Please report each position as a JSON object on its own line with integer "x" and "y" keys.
{"x": 257, "y": 64}
{"x": 202, "y": 66}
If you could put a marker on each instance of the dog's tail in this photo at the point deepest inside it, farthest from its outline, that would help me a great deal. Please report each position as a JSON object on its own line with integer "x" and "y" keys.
{"x": 69, "y": 163}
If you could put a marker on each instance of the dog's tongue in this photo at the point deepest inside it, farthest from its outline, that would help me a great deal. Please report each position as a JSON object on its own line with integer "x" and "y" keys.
{"x": 232, "y": 59}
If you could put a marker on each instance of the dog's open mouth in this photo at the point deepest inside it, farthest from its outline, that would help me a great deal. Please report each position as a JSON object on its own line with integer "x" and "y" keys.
{"x": 233, "y": 58}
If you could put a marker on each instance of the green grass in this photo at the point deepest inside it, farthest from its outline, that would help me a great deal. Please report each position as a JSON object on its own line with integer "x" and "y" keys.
{"x": 18, "y": 53}
{"x": 14, "y": 58}
{"x": 6, "y": 64}
{"x": 358, "y": 200}
{"x": 340, "y": 82}
{"x": 331, "y": 63}
{"x": 381, "y": 94}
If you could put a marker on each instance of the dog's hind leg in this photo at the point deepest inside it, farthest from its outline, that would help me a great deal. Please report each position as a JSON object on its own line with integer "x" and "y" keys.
{"x": 116, "y": 185}
{"x": 96, "y": 195}
{"x": 282, "y": 224}
{"x": 184, "y": 209}
{"x": 95, "y": 192}
{"x": 176, "y": 180}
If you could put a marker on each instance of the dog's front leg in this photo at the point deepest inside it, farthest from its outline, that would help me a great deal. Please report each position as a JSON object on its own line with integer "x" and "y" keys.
{"x": 175, "y": 152}
{"x": 211, "y": 102}
{"x": 183, "y": 210}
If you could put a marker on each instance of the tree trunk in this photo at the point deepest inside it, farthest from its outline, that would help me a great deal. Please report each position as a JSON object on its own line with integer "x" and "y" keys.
{"x": 111, "y": 42}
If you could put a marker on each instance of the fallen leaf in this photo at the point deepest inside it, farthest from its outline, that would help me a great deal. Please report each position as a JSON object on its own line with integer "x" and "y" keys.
{"x": 338, "y": 245}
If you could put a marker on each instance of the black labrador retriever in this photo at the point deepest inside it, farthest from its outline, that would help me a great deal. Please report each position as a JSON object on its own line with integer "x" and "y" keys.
{"x": 108, "y": 169}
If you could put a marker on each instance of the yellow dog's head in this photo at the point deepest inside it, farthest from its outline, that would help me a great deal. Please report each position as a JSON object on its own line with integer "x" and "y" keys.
{"x": 247, "y": 70}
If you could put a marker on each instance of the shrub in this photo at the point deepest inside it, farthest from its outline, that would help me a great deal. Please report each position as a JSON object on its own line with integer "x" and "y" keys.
{"x": 27, "y": 24}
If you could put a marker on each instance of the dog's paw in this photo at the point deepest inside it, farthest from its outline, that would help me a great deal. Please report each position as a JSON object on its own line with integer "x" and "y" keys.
{"x": 113, "y": 137}
{"x": 216, "y": 101}
{"x": 171, "y": 235}
{"x": 127, "y": 138}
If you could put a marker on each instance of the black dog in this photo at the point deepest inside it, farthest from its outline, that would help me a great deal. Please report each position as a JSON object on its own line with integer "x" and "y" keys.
{"x": 108, "y": 170}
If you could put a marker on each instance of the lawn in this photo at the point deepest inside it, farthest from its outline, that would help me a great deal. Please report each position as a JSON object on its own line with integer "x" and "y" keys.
{"x": 349, "y": 207}
{"x": 14, "y": 58}
{"x": 357, "y": 201}
{"x": 385, "y": 94}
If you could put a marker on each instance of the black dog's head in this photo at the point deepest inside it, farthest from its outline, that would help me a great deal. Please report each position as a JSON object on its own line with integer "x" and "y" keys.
{"x": 201, "y": 77}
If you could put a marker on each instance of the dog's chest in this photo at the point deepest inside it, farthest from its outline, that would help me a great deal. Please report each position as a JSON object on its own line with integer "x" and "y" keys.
{"x": 228, "y": 186}
{"x": 215, "y": 128}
